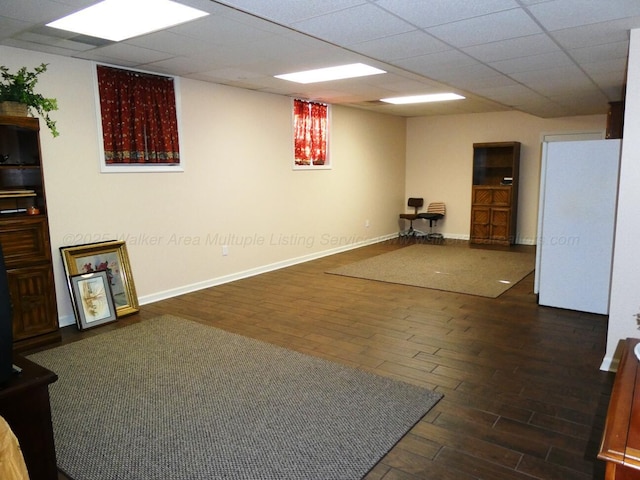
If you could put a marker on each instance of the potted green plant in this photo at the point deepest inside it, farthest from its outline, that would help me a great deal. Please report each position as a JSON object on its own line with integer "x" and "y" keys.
{"x": 19, "y": 88}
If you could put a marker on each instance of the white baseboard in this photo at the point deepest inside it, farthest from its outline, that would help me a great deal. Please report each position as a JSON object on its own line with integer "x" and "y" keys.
{"x": 174, "y": 292}
{"x": 256, "y": 271}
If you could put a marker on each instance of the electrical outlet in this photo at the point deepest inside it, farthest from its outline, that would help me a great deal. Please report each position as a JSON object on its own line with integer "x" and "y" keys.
{"x": 225, "y": 250}
{"x": 367, "y": 224}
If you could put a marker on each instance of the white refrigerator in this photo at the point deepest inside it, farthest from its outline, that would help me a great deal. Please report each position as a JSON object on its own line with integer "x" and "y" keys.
{"x": 576, "y": 222}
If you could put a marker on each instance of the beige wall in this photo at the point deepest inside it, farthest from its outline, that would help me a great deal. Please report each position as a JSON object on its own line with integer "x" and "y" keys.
{"x": 440, "y": 152}
{"x": 238, "y": 188}
{"x": 624, "y": 306}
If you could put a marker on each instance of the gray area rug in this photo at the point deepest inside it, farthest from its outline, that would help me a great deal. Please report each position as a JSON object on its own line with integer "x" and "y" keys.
{"x": 169, "y": 398}
{"x": 453, "y": 268}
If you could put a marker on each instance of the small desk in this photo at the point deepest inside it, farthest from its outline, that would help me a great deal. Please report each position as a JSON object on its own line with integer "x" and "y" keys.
{"x": 24, "y": 404}
{"x": 620, "y": 446}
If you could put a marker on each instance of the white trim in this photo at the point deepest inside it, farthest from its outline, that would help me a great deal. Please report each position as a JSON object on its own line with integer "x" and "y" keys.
{"x": 572, "y": 136}
{"x": 258, "y": 270}
{"x": 194, "y": 287}
{"x": 104, "y": 168}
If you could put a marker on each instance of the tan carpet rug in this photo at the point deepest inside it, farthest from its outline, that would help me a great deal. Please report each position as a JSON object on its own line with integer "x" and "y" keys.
{"x": 172, "y": 399}
{"x": 461, "y": 269}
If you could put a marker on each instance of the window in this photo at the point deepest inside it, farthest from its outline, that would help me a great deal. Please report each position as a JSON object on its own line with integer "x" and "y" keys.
{"x": 139, "y": 121}
{"x": 311, "y": 134}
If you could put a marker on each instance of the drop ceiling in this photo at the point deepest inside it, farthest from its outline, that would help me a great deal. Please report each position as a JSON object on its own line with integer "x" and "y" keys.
{"x": 548, "y": 58}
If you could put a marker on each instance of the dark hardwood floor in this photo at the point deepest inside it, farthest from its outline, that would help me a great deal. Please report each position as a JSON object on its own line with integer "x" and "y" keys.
{"x": 523, "y": 394}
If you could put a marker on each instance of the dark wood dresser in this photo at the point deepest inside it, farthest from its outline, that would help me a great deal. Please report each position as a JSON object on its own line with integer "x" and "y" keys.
{"x": 24, "y": 404}
{"x": 620, "y": 447}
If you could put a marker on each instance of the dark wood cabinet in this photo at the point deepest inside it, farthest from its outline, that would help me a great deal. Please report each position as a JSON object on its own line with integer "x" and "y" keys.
{"x": 621, "y": 437}
{"x": 24, "y": 234}
{"x": 24, "y": 404}
{"x": 494, "y": 195}
{"x": 615, "y": 120}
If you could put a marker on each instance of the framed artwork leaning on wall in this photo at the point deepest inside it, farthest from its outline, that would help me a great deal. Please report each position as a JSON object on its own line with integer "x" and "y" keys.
{"x": 111, "y": 257}
{"x": 92, "y": 299}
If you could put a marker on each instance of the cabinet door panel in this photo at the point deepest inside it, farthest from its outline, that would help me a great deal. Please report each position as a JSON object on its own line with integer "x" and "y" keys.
{"x": 500, "y": 223}
{"x": 502, "y": 196}
{"x": 33, "y": 301}
{"x": 482, "y": 196}
{"x": 480, "y": 222}
{"x": 24, "y": 241}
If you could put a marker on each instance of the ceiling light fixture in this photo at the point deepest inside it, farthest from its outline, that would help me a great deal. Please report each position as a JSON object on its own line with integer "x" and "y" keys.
{"x": 331, "y": 73}
{"x": 118, "y": 20}
{"x": 434, "y": 97}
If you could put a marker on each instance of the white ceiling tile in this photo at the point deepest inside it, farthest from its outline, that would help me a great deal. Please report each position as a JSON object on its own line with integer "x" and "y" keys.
{"x": 583, "y": 103}
{"x": 411, "y": 87}
{"x": 319, "y": 57}
{"x": 510, "y": 94}
{"x": 596, "y": 33}
{"x": 557, "y": 82}
{"x": 533, "y": 2}
{"x": 130, "y": 53}
{"x": 232, "y": 74}
{"x": 222, "y": 31}
{"x": 512, "y": 48}
{"x": 612, "y": 68}
{"x": 42, "y": 11}
{"x": 475, "y": 39}
{"x": 181, "y": 66}
{"x": 533, "y": 62}
{"x": 204, "y": 5}
{"x": 56, "y": 42}
{"x": 435, "y": 62}
{"x": 286, "y": 12}
{"x": 169, "y": 42}
{"x": 10, "y": 26}
{"x": 437, "y": 12}
{"x": 52, "y": 49}
{"x": 354, "y": 25}
{"x": 474, "y": 84}
{"x": 399, "y": 46}
{"x": 571, "y": 13}
{"x": 614, "y": 93}
{"x": 489, "y": 28}
{"x": 601, "y": 53}
{"x": 464, "y": 73}
{"x": 542, "y": 110}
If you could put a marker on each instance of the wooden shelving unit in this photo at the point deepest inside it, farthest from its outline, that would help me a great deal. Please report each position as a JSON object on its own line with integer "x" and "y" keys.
{"x": 24, "y": 234}
{"x": 494, "y": 196}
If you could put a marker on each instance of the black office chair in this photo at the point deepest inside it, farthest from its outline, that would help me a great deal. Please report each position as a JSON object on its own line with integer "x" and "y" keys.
{"x": 435, "y": 211}
{"x": 416, "y": 203}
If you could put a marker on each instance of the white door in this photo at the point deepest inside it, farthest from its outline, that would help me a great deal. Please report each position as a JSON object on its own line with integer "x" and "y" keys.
{"x": 578, "y": 196}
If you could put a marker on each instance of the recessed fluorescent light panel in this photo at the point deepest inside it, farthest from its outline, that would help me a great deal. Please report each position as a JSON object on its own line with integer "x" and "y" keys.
{"x": 331, "y": 73}
{"x": 118, "y": 20}
{"x": 435, "y": 97}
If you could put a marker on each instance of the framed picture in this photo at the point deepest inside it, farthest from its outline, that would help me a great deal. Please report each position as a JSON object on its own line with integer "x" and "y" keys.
{"x": 92, "y": 299}
{"x": 112, "y": 257}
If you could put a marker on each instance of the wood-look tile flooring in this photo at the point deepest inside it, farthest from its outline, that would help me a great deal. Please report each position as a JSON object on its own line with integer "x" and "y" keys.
{"x": 524, "y": 396}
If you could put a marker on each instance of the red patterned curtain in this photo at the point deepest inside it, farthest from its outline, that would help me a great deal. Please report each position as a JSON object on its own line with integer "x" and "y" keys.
{"x": 311, "y": 125}
{"x": 139, "y": 121}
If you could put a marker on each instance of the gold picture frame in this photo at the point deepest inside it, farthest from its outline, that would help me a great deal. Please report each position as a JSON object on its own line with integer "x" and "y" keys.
{"x": 111, "y": 256}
